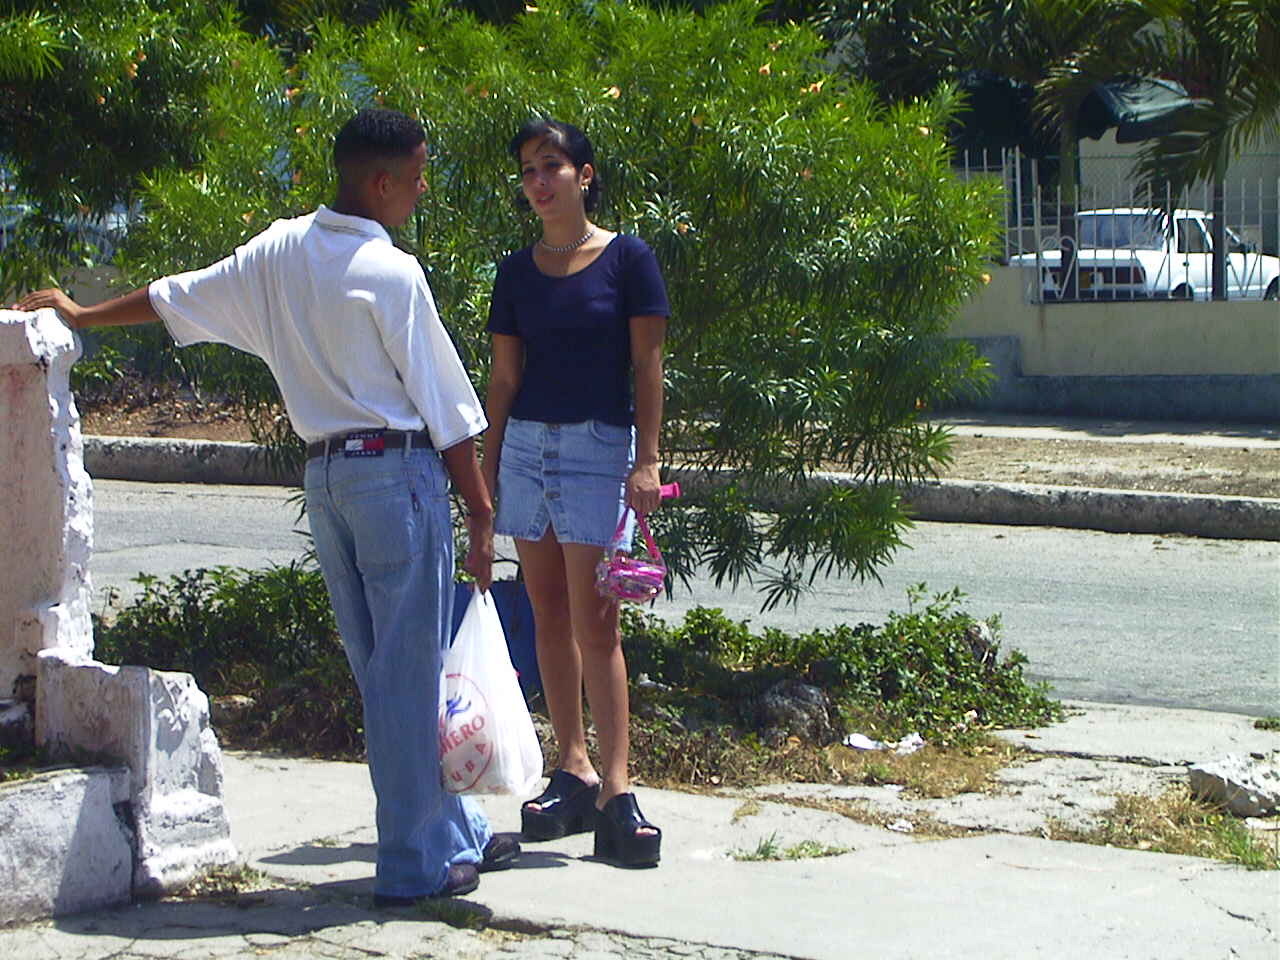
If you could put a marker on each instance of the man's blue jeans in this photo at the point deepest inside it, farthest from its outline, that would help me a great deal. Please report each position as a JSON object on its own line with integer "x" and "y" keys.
{"x": 385, "y": 546}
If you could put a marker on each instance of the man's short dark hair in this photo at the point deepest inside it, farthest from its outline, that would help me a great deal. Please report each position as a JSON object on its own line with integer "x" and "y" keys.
{"x": 375, "y": 135}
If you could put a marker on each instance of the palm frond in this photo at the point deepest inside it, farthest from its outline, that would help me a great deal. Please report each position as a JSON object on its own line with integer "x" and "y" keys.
{"x": 29, "y": 47}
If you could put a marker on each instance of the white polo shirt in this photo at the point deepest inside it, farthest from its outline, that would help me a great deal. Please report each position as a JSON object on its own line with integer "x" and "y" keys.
{"x": 345, "y": 321}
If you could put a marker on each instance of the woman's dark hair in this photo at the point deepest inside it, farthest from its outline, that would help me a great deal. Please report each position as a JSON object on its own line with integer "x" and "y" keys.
{"x": 375, "y": 135}
{"x": 566, "y": 137}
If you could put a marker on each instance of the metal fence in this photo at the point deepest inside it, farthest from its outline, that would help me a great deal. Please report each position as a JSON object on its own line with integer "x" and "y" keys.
{"x": 1117, "y": 242}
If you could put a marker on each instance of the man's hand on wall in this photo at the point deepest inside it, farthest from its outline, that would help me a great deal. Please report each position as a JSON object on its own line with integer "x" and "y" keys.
{"x": 67, "y": 308}
{"x": 132, "y": 308}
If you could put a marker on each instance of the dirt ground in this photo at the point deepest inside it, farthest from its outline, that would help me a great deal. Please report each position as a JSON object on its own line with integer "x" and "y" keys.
{"x": 1166, "y": 467}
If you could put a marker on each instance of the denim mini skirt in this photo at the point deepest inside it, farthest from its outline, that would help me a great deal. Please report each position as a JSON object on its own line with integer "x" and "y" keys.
{"x": 571, "y": 476}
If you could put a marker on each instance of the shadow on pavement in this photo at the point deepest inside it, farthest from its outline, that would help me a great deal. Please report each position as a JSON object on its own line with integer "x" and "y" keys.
{"x": 264, "y": 917}
{"x": 323, "y": 854}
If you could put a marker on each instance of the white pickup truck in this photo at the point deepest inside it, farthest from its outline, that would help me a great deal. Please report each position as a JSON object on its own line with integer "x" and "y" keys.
{"x": 1135, "y": 253}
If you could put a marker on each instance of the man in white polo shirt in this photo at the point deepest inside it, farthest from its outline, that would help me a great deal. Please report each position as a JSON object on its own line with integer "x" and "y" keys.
{"x": 373, "y": 385}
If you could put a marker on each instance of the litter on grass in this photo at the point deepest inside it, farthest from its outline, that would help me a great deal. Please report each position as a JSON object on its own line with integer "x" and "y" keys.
{"x": 907, "y": 745}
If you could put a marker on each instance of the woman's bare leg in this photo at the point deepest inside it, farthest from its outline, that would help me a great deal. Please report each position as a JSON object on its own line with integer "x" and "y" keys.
{"x": 604, "y": 669}
{"x": 542, "y": 564}
{"x": 604, "y": 672}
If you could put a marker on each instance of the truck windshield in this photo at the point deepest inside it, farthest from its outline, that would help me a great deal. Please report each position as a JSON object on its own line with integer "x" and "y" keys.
{"x": 1120, "y": 231}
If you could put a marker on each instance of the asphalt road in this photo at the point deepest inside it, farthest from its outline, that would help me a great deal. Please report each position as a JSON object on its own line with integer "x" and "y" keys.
{"x": 1172, "y": 621}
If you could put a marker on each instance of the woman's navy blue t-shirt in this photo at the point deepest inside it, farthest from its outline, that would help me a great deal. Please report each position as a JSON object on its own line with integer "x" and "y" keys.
{"x": 576, "y": 330}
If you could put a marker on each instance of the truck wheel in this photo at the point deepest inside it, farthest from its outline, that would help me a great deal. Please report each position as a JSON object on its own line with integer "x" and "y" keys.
{"x": 1273, "y": 290}
{"x": 1182, "y": 292}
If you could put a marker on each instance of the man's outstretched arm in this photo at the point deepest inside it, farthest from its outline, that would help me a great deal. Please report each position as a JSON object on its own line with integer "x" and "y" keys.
{"x": 132, "y": 308}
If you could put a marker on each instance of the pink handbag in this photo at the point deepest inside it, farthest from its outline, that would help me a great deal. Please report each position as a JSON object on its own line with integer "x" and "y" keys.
{"x": 637, "y": 579}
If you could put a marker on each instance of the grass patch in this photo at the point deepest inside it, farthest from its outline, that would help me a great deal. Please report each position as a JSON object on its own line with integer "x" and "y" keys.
{"x": 932, "y": 772}
{"x": 18, "y": 764}
{"x": 1268, "y": 723}
{"x": 723, "y": 757}
{"x": 769, "y": 849}
{"x": 16, "y": 773}
{"x": 748, "y": 808}
{"x": 456, "y": 913}
{"x": 923, "y": 825}
{"x": 226, "y": 883}
{"x": 1177, "y": 822}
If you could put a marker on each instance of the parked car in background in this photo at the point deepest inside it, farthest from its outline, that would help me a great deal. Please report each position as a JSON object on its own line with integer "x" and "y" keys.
{"x": 1136, "y": 253}
{"x": 11, "y": 215}
{"x": 98, "y": 235}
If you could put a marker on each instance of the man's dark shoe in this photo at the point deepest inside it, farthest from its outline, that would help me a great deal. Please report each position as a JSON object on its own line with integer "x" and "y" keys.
{"x": 499, "y": 853}
{"x": 461, "y": 878}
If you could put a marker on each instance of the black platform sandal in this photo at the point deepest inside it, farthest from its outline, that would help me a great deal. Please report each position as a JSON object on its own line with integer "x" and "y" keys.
{"x": 618, "y": 837}
{"x": 568, "y": 805}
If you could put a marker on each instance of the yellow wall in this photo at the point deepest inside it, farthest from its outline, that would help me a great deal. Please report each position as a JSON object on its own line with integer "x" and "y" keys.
{"x": 1124, "y": 339}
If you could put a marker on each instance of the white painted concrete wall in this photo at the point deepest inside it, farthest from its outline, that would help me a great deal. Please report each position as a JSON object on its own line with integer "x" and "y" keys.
{"x": 46, "y": 524}
{"x": 1124, "y": 339}
{"x": 159, "y": 822}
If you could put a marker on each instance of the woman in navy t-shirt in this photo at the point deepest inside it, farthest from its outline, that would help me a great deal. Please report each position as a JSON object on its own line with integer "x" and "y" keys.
{"x": 576, "y": 319}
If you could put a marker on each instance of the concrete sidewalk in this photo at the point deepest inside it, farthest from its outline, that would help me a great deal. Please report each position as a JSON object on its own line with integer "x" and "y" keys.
{"x": 1115, "y": 511}
{"x": 308, "y": 825}
{"x": 1258, "y": 436}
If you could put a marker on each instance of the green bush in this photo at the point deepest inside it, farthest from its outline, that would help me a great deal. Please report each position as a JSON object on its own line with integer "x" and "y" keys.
{"x": 266, "y": 634}
{"x": 929, "y": 670}
{"x": 815, "y": 243}
{"x": 269, "y": 634}
{"x": 208, "y": 621}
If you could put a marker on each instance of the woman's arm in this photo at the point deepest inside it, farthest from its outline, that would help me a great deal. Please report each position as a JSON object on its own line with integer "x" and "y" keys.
{"x": 505, "y": 373}
{"x": 647, "y": 335}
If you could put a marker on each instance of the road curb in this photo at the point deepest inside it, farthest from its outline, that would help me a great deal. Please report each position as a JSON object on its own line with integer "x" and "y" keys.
{"x": 165, "y": 460}
{"x": 1113, "y": 511}
{"x": 158, "y": 460}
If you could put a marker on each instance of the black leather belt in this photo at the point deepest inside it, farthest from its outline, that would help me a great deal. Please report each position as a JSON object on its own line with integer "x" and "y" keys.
{"x": 390, "y": 440}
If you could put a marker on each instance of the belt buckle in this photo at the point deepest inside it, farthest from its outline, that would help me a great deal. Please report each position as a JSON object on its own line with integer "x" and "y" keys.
{"x": 364, "y": 443}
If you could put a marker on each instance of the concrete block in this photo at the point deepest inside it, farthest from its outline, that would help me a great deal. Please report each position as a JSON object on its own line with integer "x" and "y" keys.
{"x": 157, "y": 724}
{"x": 1246, "y": 787}
{"x": 64, "y": 848}
{"x": 47, "y": 524}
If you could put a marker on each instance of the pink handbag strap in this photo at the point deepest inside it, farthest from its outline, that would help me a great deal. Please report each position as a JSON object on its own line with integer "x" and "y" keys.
{"x": 665, "y": 491}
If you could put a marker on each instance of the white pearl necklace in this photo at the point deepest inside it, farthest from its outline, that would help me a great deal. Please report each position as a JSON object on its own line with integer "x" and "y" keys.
{"x": 566, "y": 247}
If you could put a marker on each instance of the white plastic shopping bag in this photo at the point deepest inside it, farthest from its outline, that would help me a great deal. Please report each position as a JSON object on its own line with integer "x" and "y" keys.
{"x": 487, "y": 740}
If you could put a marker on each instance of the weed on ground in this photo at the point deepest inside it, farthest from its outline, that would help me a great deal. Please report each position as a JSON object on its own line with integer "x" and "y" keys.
{"x": 769, "y": 849}
{"x": 226, "y": 884}
{"x": 1177, "y": 822}
{"x": 931, "y": 772}
{"x": 17, "y": 763}
{"x": 918, "y": 824}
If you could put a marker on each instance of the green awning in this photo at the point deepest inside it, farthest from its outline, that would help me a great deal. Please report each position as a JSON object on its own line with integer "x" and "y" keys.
{"x": 999, "y": 112}
{"x": 1138, "y": 107}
